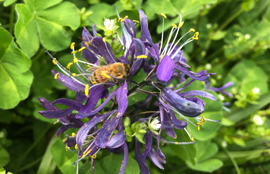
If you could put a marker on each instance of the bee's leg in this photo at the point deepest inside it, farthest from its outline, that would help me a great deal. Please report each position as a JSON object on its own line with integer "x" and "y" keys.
{"x": 115, "y": 81}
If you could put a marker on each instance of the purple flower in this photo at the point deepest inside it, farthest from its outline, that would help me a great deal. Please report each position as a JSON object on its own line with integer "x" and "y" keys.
{"x": 108, "y": 125}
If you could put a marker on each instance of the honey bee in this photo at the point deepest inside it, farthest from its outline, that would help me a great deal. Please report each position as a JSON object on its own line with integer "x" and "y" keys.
{"x": 102, "y": 74}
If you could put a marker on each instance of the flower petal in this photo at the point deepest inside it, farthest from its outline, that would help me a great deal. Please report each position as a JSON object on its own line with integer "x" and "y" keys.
{"x": 105, "y": 132}
{"x": 125, "y": 159}
{"x": 70, "y": 103}
{"x": 156, "y": 159}
{"x": 64, "y": 128}
{"x": 66, "y": 81}
{"x": 178, "y": 124}
{"x": 198, "y": 93}
{"x": 47, "y": 104}
{"x": 80, "y": 97}
{"x": 55, "y": 113}
{"x": 122, "y": 100}
{"x": 130, "y": 22}
{"x": 168, "y": 125}
{"x": 190, "y": 74}
{"x": 148, "y": 145}
{"x": 117, "y": 140}
{"x": 138, "y": 156}
{"x": 184, "y": 106}
{"x": 165, "y": 68}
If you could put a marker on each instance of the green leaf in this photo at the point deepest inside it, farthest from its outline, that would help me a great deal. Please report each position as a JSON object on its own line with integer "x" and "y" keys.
{"x": 4, "y": 156}
{"x": 16, "y": 78}
{"x": 63, "y": 159}
{"x": 205, "y": 150}
{"x": 163, "y": 6}
{"x": 112, "y": 163}
{"x": 245, "y": 75}
{"x": 206, "y": 166}
{"x": 185, "y": 152}
{"x": 45, "y": 22}
{"x": 47, "y": 164}
{"x": 9, "y": 2}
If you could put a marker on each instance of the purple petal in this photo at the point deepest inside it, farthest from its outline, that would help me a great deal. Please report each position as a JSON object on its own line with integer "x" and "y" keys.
{"x": 80, "y": 97}
{"x": 70, "y": 103}
{"x": 156, "y": 159}
{"x": 90, "y": 150}
{"x": 66, "y": 81}
{"x": 168, "y": 125}
{"x": 122, "y": 100}
{"x": 148, "y": 145}
{"x": 64, "y": 128}
{"x": 125, "y": 159}
{"x": 95, "y": 94}
{"x": 81, "y": 115}
{"x": 138, "y": 156}
{"x": 136, "y": 66}
{"x": 83, "y": 131}
{"x": 198, "y": 93}
{"x": 184, "y": 106}
{"x": 161, "y": 112}
{"x": 139, "y": 47}
{"x": 86, "y": 36}
{"x": 70, "y": 142}
{"x": 105, "y": 50}
{"x": 117, "y": 140}
{"x": 188, "y": 73}
{"x": 94, "y": 30}
{"x": 130, "y": 22}
{"x": 105, "y": 132}
{"x": 145, "y": 34}
{"x": 72, "y": 118}
{"x": 178, "y": 124}
{"x": 88, "y": 54}
{"x": 165, "y": 68}
{"x": 105, "y": 94}
{"x": 46, "y": 104}
{"x": 55, "y": 113}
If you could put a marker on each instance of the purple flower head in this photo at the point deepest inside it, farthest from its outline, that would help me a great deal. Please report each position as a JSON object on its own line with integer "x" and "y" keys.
{"x": 106, "y": 82}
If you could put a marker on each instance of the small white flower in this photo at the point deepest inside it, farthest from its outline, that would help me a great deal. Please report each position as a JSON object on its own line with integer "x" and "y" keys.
{"x": 208, "y": 26}
{"x": 257, "y": 119}
{"x": 155, "y": 124}
{"x": 247, "y": 36}
{"x": 255, "y": 90}
{"x": 208, "y": 66}
{"x": 221, "y": 97}
{"x": 109, "y": 23}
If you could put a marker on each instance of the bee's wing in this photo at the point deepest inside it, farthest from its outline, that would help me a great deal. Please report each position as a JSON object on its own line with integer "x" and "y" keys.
{"x": 93, "y": 68}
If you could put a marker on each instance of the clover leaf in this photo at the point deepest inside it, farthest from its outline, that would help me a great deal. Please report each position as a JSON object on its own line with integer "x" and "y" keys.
{"x": 15, "y": 77}
{"x": 45, "y": 22}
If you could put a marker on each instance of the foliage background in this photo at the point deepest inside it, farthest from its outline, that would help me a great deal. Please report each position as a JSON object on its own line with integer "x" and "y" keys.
{"x": 234, "y": 43}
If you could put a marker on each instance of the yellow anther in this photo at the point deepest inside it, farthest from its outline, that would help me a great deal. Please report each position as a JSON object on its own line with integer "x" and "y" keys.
{"x": 56, "y": 76}
{"x": 120, "y": 19}
{"x": 123, "y": 20}
{"x": 69, "y": 64}
{"x": 203, "y": 119}
{"x": 126, "y": 16}
{"x": 192, "y": 139}
{"x": 135, "y": 21}
{"x": 182, "y": 23}
{"x": 191, "y": 30}
{"x": 198, "y": 126}
{"x": 74, "y": 74}
{"x": 195, "y": 37}
{"x": 75, "y": 60}
{"x": 54, "y": 61}
{"x": 162, "y": 57}
{"x": 86, "y": 90}
{"x": 73, "y": 134}
{"x": 174, "y": 26}
{"x": 162, "y": 14}
{"x": 175, "y": 143}
{"x": 72, "y": 45}
{"x": 200, "y": 123}
{"x": 141, "y": 57}
{"x": 76, "y": 146}
{"x": 67, "y": 148}
{"x": 74, "y": 52}
{"x": 103, "y": 73}
{"x": 64, "y": 140}
{"x": 82, "y": 48}
{"x": 56, "y": 121}
{"x": 87, "y": 43}
{"x": 104, "y": 40}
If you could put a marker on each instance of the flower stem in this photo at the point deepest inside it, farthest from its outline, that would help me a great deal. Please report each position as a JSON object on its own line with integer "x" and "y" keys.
{"x": 11, "y": 19}
{"x": 232, "y": 159}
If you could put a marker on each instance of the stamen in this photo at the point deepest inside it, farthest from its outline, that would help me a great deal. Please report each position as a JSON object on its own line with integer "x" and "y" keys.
{"x": 54, "y": 61}
{"x": 172, "y": 108}
{"x": 126, "y": 16}
{"x": 73, "y": 134}
{"x": 162, "y": 33}
{"x": 81, "y": 49}
{"x": 191, "y": 30}
{"x": 103, "y": 73}
{"x": 182, "y": 23}
{"x": 86, "y": 91}
{"x": 56, "y": 76}
{"x": 75, "y": 60}
{"x": 135, "y": 21}
{"x": 72, "y": 45}
{"x": 195, "y": 37}
{"x": 120, "y": 19}
{"x": 74, "y": 52}
{"x": 74, "y": 74}
{"x": 69, "y": 64}
{"x": 191, "y": 138}
{"x": 76, "y": 146}
{"x": 162, "y": 14}
{"x": 141, "y": 57}
{"x": 174, "y": 26}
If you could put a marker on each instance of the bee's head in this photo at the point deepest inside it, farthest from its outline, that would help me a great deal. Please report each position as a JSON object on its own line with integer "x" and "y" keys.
{"x": 127, "y": 68}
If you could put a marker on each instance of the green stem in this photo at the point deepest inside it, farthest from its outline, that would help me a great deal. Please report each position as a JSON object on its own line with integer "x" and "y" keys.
{"x": 32, "y": 147}
{"x": 232, "y": 159}
{"x": 39, "y": 54}
{"x": 30, "y": 165}
{"x": 11, "y": 19}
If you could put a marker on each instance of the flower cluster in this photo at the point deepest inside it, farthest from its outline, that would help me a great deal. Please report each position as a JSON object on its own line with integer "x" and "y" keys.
{"x": 109, "y": 125}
